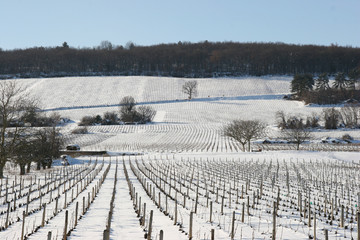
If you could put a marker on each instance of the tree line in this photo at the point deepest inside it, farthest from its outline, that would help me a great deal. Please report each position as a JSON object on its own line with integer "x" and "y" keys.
{"x": 182, "y": 59}
{"x": 129, "y": 113}
{"x": 318, "y": 90}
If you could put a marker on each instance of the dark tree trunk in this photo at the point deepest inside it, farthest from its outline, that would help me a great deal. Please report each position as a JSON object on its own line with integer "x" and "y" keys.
{"x": 28, "y": 167}
{"x": 22, "y": 169}
{"x": 38, "y": 165}
{"x": 243, "y": 146}
{"x": 49, "y": 163}
{"x": 2, "y": 170}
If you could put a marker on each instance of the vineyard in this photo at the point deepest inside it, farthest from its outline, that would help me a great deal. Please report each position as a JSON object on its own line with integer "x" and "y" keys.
{"x": 179, "y": 125}
{"x": 179, "y": 177}
{"x": 177, "y": 138}
{"x": 186, "y": 197}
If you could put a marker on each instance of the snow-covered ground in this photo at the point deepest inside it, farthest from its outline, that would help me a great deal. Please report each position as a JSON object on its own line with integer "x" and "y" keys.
{"x": 228, "y": 179}
{"x": 179, "y": 125}
{"x": 182, "y": 154}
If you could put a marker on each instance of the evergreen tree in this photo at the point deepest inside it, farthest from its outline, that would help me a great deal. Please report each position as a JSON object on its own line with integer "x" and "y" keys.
{"x": 340, "y": 81}
{"x": 302, "y": 83}
{"x": 354, "y": 77}
{"x": 322, "y": 82}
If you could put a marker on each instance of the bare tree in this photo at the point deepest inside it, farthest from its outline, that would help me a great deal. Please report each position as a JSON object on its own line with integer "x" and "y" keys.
{"x": 12, "y": 105}
{"x": 23, "y": 149}
{"x": 146, "y": 113}
{"x": 281, "y": 119}
{"x": 296, "y": 135}
{"x": 190, "y": 88}
{"x": 244, "y": 131}
{"x": 331, "y": 118}
{"x": 130, "y": 113}
{"x": 110, "y": 118}
{"x": 350, "y": 115}
{"x": 106, "y": 45}
{"x": 46, "y": 144}
{"x": 127, "y": 109}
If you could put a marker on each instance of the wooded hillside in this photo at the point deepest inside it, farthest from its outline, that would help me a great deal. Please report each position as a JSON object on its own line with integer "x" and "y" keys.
{"x": 204, "y": 59}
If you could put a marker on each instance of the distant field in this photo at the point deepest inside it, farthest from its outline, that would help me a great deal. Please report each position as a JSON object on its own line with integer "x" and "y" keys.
{"x": 180, "y": 125}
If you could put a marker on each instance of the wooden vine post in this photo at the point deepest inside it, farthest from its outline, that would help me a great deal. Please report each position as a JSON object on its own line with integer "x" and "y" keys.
{"x": 66, "y": 224}
{"x": 83, "y": 205}
{"x": 43, "y": 216}
{"x": 191, "y": 225}
{"x": 233, "y": 226}
{"x": 7, "y": 216}
{"x": 197, "y": 198}
{"x": 139, "y": 210}
{"x": 314, "y": 225}
{"x": 49, "y": 235}
{"x": 144, "y": 215}
{"x": 76, "y": 213}
{"x": 274, "y": 222}
{"x": 23, "y": 226}
{"x": 309, "y": 213}
{"x": 243, "y": 212}
{"x": 211, "y": 209}
{"x": 161, "y": 235}
{"x": 358, "y": 225}
{"x": 326, "y": 233}
{"x": 28, "y": 202}
{"x": 342, "y": 216}
{"x": 222, "y": 205}
{"x": 150, "y": 225}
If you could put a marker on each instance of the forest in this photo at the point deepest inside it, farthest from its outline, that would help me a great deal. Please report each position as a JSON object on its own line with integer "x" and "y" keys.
{"x": 182, "y": 59}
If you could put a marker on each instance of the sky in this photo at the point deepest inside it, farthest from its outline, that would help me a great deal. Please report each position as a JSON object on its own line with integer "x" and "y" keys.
{"x": 86, "y": 23}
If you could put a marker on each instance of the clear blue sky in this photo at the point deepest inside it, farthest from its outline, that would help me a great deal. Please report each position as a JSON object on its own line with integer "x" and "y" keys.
{"x": 85, "y": 23}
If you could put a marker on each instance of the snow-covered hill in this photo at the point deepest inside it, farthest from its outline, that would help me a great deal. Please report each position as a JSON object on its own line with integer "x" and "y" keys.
{"x": 180, "y": 124}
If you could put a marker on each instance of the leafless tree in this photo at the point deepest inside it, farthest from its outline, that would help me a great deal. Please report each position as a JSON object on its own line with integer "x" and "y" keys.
{"x": 106, "y": 45}
{"x": 244, "y": 131}
{"x": 130, "y": 113}
{"x": 281, "y": 119}
{"x": 146, "y": 113}
{"x": 296, "y": 135}
{"x": 127, "y": 109}
{"x": 12, "y": 105}
{"x": 190, "y": 88}
{"x": 331, "y": 118}
{"x": 24, "y": 151}
{"x": 110, "y": 118}
{"x": 350, "y": 115}
{"x": 46, "y": 144}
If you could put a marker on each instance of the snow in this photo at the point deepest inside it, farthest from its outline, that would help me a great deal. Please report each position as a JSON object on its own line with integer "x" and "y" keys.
{"x": 178, "y": 120}
{"x": 184, "y": 137}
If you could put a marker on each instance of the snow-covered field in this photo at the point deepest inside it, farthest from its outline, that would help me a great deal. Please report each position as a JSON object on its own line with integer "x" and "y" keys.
{"x": 180, "y": 125}
{"x": 169, "y": 185}
{"x": 183, "y": 159}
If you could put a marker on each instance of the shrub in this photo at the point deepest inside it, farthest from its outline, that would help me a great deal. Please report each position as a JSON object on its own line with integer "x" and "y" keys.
{"x": 347, "y": 138}
{"x": 87, "y": 121}
{"x": 110, "y": 118}
{"x": 82, "y": 130}
{"x": 331, "y": 118}
{"x": 312, "y": 121}
{"x": 129, "y": 113}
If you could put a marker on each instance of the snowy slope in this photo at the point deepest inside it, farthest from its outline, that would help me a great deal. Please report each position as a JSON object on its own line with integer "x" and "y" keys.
{"x": 185, "y": 140}
{"x": 180, "y": 125}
